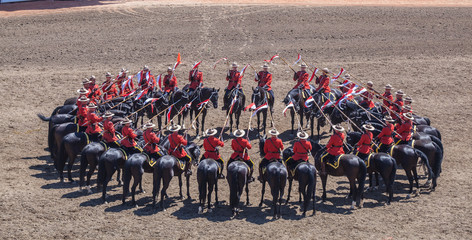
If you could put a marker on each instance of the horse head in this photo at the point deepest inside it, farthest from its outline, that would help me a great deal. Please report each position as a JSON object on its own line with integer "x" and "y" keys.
{"x": 214, "y": 97}
{"x": 262, "y": 140}
{"x": 194, "y": 151}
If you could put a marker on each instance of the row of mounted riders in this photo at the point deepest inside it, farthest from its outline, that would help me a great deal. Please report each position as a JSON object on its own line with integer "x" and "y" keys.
{"x": 66, "y": 139}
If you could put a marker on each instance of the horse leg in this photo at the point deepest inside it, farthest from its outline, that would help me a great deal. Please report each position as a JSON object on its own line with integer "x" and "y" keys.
{"x": 180, "y": 187}
{"x": 118, "y": 176}
{"x": 377, "y": 182}
{"x": 188, "y": 187}
{"x": 370, "y": 182}
{"x": 258, "y": 122}
{"x": 165, "y": 185}
{"x": 264, "y": 120}
{"x": 415, "y": 176}
{"x": 289, "y": 190}
{"x": 353, "y": 190}
{"x": 247, "y": 193}
{"x": 230, "y": 123}
{"x": 156, "y": 180}
{"x": 83, "y": 169}
{"x": 410, "y": 180}
{"x": 203, "y": 120}
{"x": 137, "y": 179}
{"x": 292, "y": 114}
{"x": 69, "y": 166}
{"x": 262, "y": 193}
{"x": 324, "y": 178}
{"x": 92, "y": 167}
{"x": 237, "y": 116}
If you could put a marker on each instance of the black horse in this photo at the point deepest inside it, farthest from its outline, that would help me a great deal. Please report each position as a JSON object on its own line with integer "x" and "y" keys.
{"x": 178, "y": 102}
{"x": 305, "y": 174}
{"x": 110, "y": 161}
{"x": 201, "y": 97}
{"x": 235, "y": 103}
{"x": 58, "y": 133}
{"x": 207, "y": 177}
{"x": 237, "y": 176}
{"x": 134, "y": 168}
{"x": 276, "y": 175}
{"x": 261, "y": 96}
{"x": 89, "y": 157}
{"x": 297, "y": 97}
{"x": 434, "y": 155}
{"x": 350, "y": 166}
{"x": 152, "y": 104}
{"x": 71, "y": 145}
{"x": 54, "y": 120}
{"x": 166, "y": 168}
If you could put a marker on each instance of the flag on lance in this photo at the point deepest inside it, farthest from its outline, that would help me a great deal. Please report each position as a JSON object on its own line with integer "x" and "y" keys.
{"x": 337, "y": 76}
{"x": 159, "y": 81}
{"x": 290, "y": 105}
{"x": 127, "y": 84}
{"x": 140, "y": 95}
{"x": 251, "y": 106}
{"x": 243, "y": 70}
{"x": 202, "y": 104}
{"x": 263, "y": 106}
{"x": 298, "y": 59}
{"x": 309, "y": 101}
{"x": 328, "y": 103}
{"x": 272, "y": 59}
{"x": 168, "y": 112}
{"x": 219, "y": 60}
{"x": 314, "y": 74}
{"x": 130, "y": 93}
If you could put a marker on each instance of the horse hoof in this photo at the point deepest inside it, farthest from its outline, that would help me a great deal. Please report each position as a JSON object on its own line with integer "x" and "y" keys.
{"x": 89, "y": 190}
{"x": 136, "y": 206}
{"x": 200, "y": 210}
{"x": 375, "y": 188}
{"x": 210, "y": 210}
{"x": 353, "y": 205}
{"x": 368, "y": 189}
{"x": 408, "y": 196}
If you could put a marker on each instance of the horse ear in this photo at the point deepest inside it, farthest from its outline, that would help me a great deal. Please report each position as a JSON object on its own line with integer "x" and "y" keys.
{"x": 218, "y": 90}
{"x": 253, "y": 89}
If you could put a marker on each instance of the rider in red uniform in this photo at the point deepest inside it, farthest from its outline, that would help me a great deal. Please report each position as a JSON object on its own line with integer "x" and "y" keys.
{"x": 264, "y": 79}
{"x": 301, "y": 151}
{"x": 94, "y": 90}
{"x": 147, "y": 80}
{"x": 301, "y": 77}
{"x": 211, "y": 144}
{"x": 398, "y": 104}
{"x": 323, "y": 81}
{"x": 241, "y": 147}
{"x": 122, "y": 78}
{"x": 334, "y": 147}
{"x": 234, "y": 80}
{"x": 272, "y": 149}
{"x": 176, "y": 148}
{"x": 109, "y": 88}
{"x": 170, "y": 81}
{"x": 195, "y": 77}
{"x": 386, "y": 135}
{"x": 128, "y": 142}
{"x": 109, "y": 136}
{"x": 387, "y": 95}
{"x": 82, "y": 113}
{"x": 364, "y": 146}
{"x": 404, "y": 130}
{"x": 82, "y": 93}
{"x": 151, "y": 142}
{"x": 93, "y": 129}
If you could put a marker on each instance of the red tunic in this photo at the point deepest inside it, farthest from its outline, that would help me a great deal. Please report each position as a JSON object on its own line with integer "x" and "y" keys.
{"x": 301, "y": 149}
{"x": 195, "y": 78}
{"x": 92, "y": 125}
{"x": 176, "y": 145}
{"x": 170, "y": 84}
{"x": 145, "y": 83}
{"x": 302, "y": 79}
{"x": 370, "y": 104}
{"x": 405, "y": 130}
{"x": 94, "y": 93}
{"x": 272, "y": 148}
{"x": 109, "y": 131}
{"x": 233, "y": 78}
{"x": 388, "y": 96}
{"x": 151, "y": 141}
{"x": 397, "y": 106}
{"x": 364, "y": 145}
{"x": 109, "y": 90}
{"x": 324, "y": 84}
{"x": 124, "y": 89}
{"x": 238, "y": 145}
{"x": 128, "y": 137}
{"x": 82, "y": 115}
{"x": 386, "y": 135}
{"x": 210, "y": 144}
{"x": 335, "y": 144}
{"x": 265, "y": 78}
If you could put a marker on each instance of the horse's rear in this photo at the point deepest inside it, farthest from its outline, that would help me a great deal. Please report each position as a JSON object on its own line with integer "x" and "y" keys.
{"x": 89, "y": 157}
{"x": 276, "y": 175}
{"x": 109, "y": 162}
{"x": 163, "y": 170}
{"x": 207, "y": 177}
{"x": 134, "y": 168}
{"x": 237, "y": 176}
{"x": 354, "y": 168}
{"x": 385, "y": 165}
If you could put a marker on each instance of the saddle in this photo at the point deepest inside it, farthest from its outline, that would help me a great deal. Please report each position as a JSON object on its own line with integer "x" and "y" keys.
{"x": 125, "y": 154}
{"x": 292, "y": 171}
{"x": 181, "y": 164}
{"x": 331, "y": 161}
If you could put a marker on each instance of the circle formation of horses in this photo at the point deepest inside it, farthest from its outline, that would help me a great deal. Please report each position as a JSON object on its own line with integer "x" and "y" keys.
{"x": 111, "y": 126}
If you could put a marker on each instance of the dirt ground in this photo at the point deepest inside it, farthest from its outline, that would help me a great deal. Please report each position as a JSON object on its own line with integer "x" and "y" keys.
{"x": 423, "y": 50}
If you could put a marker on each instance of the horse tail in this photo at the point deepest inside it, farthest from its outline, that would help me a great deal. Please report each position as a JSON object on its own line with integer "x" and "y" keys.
{"x": 42, "y": 117}
{"x": 60, "y": 159}
{"x": 102, "y": 172}
{"x": 51, "y": 140}
{"x": 361, "y": 178}
{"x": 437, "y": 141}
{"x": 428, "y": 121}
{"x": 202, "y": 176}
{"x": 394, "y": 172}
{"x": 425, "y": 161}
{"x": 234, "y": 189}
{"x": 439, "y": 134}
{"x": 439, "y": 154}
